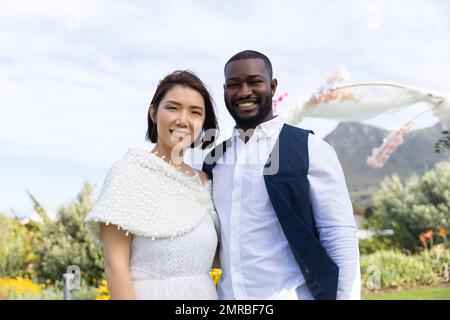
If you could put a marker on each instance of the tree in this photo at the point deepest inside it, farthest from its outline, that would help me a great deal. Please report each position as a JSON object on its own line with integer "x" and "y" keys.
{"x": 443, "y": 143}
{"x": 15, "y": 247}
{"x": 66, "y": 241}
{"x": 422, "y": 203}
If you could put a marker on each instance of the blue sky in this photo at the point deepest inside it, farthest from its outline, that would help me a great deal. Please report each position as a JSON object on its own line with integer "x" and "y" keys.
{"x": 76, "y": 77}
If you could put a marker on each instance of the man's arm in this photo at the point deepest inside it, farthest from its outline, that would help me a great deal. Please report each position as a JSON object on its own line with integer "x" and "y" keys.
{"x": 333, "y": 214}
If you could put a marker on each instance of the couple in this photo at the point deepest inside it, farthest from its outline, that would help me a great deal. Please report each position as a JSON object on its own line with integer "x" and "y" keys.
{"x": 270, "y": 207}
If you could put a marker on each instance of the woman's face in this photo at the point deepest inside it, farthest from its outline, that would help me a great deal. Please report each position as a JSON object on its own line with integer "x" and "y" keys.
{"x": 179, "y": 118}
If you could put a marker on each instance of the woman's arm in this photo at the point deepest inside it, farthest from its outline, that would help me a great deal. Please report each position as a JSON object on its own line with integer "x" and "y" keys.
{"x": 116, "y": 248}
{"x": 216, "y": 262}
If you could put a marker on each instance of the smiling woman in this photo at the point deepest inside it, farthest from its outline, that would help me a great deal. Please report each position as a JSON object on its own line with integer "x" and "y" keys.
{"x": 162, "y": 203}
{"x": 170, "y": 95}
{"x": 178, "y": 119}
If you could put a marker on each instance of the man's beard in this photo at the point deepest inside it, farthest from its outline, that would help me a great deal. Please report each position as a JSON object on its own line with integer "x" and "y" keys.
{"x": 252, "y": 122}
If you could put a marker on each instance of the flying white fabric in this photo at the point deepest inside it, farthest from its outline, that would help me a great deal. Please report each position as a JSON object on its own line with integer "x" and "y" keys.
{"x": 363, "y": 101}
{"x": 360, "y": 102}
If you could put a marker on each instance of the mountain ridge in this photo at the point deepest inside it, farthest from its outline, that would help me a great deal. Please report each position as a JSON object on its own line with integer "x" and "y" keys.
{"x": 354, "y": 142}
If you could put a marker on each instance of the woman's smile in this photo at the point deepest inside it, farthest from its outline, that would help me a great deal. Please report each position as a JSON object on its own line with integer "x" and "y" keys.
{"x": 179, "y": 134}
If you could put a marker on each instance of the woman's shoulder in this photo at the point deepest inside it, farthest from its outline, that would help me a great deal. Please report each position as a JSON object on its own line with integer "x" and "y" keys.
{"x": 133, "y": 169}
{"x": 136, "y": 154}
{"x": 134, "y": 157}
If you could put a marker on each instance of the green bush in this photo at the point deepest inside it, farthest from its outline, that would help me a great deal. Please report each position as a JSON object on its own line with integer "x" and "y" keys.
{"x": 398, "y": 270}
{"x": 15, "y": 248}
{"x": 374, "y": 244}
{"x": 66, "y": 241}
{"x": 422, "y": 204}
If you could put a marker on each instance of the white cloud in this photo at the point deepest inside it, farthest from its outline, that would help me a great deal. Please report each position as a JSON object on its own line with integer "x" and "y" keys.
{"x": 76, "y": 87}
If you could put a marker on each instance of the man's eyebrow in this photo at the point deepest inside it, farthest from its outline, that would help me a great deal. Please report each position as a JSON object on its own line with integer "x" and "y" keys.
{"x": 255, "y": 75}
{"x": 249, "y": 76}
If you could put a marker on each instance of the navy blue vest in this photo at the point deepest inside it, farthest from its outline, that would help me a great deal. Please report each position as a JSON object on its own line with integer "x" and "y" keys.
{"x": 288, "y": 190}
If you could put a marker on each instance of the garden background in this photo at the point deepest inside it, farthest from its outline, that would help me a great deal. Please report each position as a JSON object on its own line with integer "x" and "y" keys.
{"x": 76, "y": 78}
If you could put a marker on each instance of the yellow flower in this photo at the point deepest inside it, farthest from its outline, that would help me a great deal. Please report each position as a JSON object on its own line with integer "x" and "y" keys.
{"x": 31, "y": 257}
{"x": 103, "y": 291}
{"x": 9, "y": 286}
{"x": 215, "y": 275}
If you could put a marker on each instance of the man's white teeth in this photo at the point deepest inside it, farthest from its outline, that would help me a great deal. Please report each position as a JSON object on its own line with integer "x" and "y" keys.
{"x": 245, "y": 104}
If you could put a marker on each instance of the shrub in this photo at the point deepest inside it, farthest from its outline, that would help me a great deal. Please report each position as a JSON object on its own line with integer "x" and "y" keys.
{"x": 398, "y": 270}
{"x": 66, "y": 241}
{"x": 16, "y": 256}
{"x": 374, "y": 244}
{"x": 423, "y": 203}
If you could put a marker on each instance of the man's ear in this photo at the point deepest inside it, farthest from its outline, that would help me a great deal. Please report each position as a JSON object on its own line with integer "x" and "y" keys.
{"x": 273, "y": 86}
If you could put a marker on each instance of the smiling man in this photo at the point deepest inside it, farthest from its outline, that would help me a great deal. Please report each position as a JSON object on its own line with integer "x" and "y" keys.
{"x": 248, "y": 91}
{"x": 287, "y": 225}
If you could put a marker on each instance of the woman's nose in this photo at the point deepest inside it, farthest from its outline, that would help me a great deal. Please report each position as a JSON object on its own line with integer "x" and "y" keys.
{"x": 182, "y": 118}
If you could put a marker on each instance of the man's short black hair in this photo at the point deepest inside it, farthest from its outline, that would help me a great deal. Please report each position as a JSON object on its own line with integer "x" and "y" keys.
{"x": 251, "y": 54}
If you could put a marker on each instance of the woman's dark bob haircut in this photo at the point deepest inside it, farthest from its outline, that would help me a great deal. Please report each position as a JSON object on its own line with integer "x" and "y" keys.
{"x": 187, "y": 79}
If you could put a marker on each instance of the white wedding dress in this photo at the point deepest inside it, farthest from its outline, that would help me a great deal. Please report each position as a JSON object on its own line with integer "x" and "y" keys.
{"x": 174, "y": 269}
{"x": 172, "y": 220}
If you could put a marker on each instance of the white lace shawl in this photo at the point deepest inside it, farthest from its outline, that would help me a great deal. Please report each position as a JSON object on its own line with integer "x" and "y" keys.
{"x": 148, "y": 197}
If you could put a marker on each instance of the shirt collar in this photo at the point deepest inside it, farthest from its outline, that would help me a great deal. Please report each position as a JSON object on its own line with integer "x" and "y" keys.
{"x": 264, "y": 130}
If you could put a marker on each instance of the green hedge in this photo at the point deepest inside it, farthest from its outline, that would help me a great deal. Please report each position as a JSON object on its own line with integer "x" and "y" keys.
{"x": 396, "y": 270}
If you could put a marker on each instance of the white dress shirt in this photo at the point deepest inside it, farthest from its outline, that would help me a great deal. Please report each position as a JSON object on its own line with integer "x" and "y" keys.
{"x": 256, "y": 260}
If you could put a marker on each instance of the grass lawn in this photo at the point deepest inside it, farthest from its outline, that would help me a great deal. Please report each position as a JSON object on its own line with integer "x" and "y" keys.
{"x": 431, "y": 293}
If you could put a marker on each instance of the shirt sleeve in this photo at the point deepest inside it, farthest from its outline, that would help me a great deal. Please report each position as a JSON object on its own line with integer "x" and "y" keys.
{"x": 333, "y": 214}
